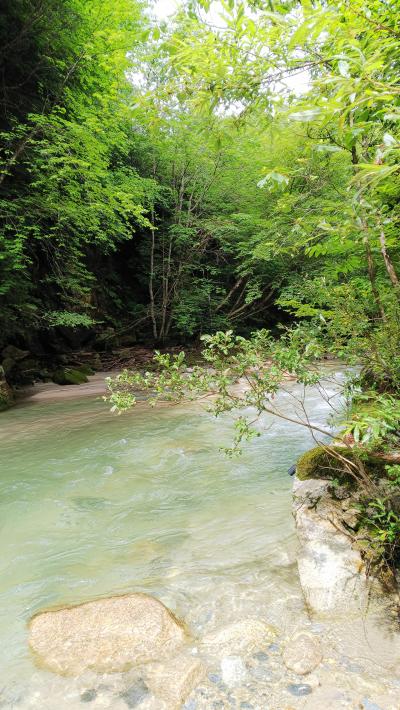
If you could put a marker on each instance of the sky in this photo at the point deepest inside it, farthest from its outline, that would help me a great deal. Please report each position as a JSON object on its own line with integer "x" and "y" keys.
{"x": 162, "y": 9}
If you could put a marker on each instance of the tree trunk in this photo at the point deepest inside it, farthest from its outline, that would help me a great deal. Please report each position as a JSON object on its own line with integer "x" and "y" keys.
{"x": 388, "y": 262}
{"x": 151, "y": 280}
{"x": 372, "y": 278}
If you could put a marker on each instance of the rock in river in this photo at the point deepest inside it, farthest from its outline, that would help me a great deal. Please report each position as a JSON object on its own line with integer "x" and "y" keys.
{"x": 174, "y": 680}
{"x": 332, "y": 571}
{"x": 245, "y": 636}
{"x": 302, "y": 653}
{"x": 106, "y": 636}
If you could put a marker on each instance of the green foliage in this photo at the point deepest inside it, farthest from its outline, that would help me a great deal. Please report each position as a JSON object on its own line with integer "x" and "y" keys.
{"x": 261, "y": 363}
{"x": 67, "y": 319}
{"x": 375, "y": 421}
{"x": 66, "y": 185}
{"x": 385, "y": 523}
{"x": 381, "y": 529}
{"x": 393, "y": 473}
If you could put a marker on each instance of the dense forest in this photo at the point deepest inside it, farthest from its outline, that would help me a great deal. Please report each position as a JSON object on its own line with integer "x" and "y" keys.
{"x": 235, "y": 166}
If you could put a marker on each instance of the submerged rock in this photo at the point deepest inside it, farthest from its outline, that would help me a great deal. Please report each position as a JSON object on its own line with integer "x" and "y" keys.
{"x": 106, "y": 636}
{"x": 173, "y": 681}
{"x": 248, "y": 636}
{"x": 135, "y": 694}
{"x": 88, "y": 695}
{"x": 233, "y": 671}
{"x": 299, "y": 689}
{"x": 302, "y": 653}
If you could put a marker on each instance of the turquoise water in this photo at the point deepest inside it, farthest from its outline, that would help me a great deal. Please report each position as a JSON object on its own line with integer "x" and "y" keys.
{"x": 94, "y": 504}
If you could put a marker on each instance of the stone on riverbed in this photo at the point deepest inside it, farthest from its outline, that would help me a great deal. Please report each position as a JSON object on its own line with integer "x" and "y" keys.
{"x": 233, "y": 671}
{"x": 173, "y": 681}
{"x": 302, "y": 653}
{"x": 245, "y": 636}
{"x": 107, "y": 635}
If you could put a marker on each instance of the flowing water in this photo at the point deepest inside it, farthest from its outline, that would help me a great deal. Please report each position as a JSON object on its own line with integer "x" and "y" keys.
{"x": 92, "y": 504}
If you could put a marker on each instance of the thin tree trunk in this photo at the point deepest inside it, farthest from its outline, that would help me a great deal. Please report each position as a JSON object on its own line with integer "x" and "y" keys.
{"x": 166, "y": 291}
{"x": 388, "y": 262}
{"x": 151, "y": 274}
{"x": 18, "y": 151}
{"x": 151, "y": 278}
{"x": 236, "y": 285}
{"x": 372, "y": 278}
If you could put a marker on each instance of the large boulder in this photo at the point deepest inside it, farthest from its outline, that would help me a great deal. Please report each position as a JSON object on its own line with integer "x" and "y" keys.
{"x": 331, "y": 569}
{"x": 106, "y": 636}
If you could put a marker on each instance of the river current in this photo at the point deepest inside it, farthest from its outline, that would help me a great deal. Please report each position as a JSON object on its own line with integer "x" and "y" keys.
{"x": 93, "y": 504}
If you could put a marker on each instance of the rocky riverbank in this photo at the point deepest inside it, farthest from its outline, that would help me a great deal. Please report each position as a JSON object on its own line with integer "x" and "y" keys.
{"x": 60, "y": 375}
{"x": 131, "y": 652}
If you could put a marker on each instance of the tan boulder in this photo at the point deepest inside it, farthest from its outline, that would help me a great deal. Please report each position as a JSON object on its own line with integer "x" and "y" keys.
{"x": 106, "y": 635}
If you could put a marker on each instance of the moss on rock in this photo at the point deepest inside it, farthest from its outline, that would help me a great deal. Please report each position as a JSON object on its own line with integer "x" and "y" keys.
{"x": 69, "y": 376}
{"x": 320, "y": 463}
{"x": 85, "y": 370}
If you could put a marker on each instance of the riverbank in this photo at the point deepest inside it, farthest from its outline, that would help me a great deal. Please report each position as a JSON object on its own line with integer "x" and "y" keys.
{"x": 51, "y": 392}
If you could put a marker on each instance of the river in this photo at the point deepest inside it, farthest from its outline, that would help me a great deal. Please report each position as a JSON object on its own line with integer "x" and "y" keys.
{"x": 93, "y": 504}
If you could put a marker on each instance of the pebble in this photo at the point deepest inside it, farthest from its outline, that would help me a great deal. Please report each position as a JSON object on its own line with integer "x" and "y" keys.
{"x": 299, "y": 689}
{"x": 214, "y": 678}
{"x": 274, "y": 647}
{"x": 261, "y": 656}
{"x": 233, "y": 670}
{"x": 350, "y": 665}
{"x": 302, "y": 653}
{"x": 189, "y": 705}
{"x": 135, "y": 694}
{"x": 260, "y": 673}
{"x": 88, "y": 695}
{"x": 369, "y": 705}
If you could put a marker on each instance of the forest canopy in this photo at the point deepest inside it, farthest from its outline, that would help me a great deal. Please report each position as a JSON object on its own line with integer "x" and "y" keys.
{"x": 236, "y": 166}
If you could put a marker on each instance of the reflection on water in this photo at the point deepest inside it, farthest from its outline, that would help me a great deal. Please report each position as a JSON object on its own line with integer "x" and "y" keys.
{"x": 93, "y": 504}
